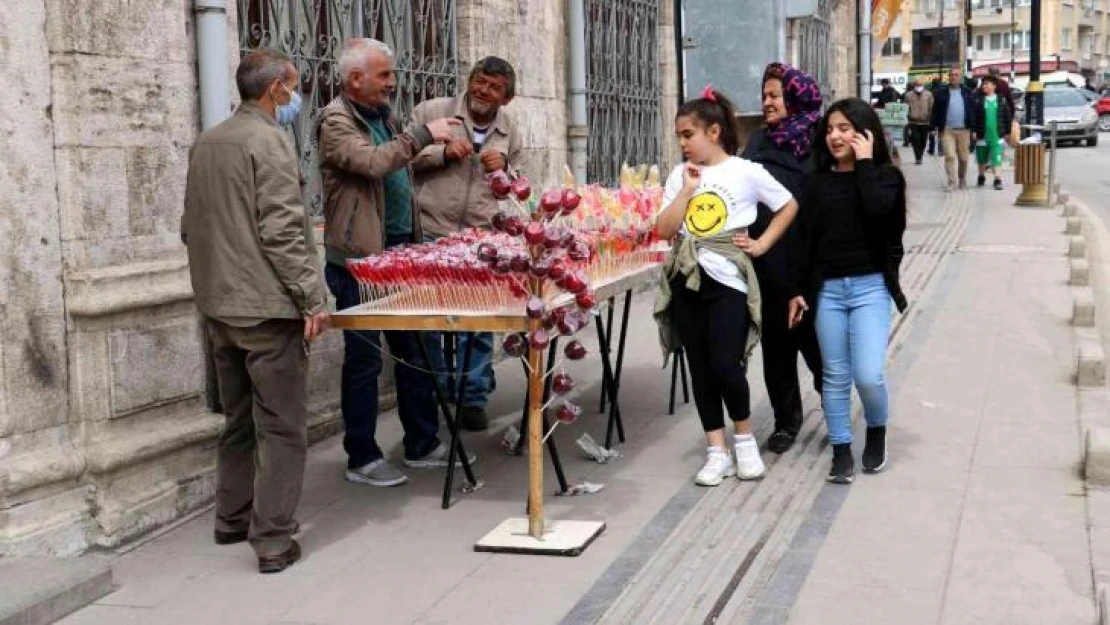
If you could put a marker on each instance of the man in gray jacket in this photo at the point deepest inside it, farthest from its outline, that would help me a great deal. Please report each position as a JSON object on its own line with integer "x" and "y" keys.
{"x": 257, "y": 283}
{"x": 451, "y": 192}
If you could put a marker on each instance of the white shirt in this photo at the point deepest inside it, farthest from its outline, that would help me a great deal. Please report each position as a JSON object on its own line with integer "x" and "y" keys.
{"x": 727, "y": 199}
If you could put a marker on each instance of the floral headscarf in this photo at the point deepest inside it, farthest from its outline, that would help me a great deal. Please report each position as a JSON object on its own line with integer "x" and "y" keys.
{"x": 803, "y": 108}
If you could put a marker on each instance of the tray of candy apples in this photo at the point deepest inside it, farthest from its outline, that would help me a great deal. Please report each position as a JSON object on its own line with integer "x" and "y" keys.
{"x": 536, "y": 247}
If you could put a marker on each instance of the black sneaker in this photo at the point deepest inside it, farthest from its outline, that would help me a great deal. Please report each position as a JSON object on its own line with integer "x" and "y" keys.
{"x": 843, "y": 465}
{"x": 781, "y": 441}
{"x": 981, "y": 181}
{"x": 874, "y": 452}
{"x": 998, "y": 184}
{"x": 473, "y": 418}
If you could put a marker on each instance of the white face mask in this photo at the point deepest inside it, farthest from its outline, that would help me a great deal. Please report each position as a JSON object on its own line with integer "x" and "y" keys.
{"x": 919, "y": 88}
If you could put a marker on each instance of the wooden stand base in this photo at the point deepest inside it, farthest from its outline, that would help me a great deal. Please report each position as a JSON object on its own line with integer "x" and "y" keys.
{"x": 560, "y": 538}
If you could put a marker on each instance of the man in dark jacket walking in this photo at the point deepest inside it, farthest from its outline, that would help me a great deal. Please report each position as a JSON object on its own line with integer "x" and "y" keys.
{"x": 953, "y": 118}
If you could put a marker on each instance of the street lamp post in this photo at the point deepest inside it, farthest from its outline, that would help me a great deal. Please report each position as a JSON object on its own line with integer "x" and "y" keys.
{"x": 1013, "y": 31}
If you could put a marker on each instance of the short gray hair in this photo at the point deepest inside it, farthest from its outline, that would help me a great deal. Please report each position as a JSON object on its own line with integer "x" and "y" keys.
{"x": 356, "y": 52}
{"x": 258, "y": 69}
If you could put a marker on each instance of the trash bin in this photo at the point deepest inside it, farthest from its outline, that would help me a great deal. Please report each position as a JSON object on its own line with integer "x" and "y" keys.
{"x": 1029, "y": 164}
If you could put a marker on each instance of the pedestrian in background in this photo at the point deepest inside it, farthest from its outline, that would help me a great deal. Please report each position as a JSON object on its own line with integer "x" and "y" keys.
{"x": 953, "y": 116}
{"x": 791, "y": 108}
{"x": 256, "y": 280}
{"x": 920, "y": 115}
{"x": 709, "y": 298}
{"x": 992, "y": 125}
{"x": 851, "y": 224}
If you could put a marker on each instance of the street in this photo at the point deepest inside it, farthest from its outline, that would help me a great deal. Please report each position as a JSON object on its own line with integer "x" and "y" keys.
{"x": 1085, "y": 172}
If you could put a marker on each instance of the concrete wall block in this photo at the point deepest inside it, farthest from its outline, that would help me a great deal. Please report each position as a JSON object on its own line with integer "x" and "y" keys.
{"x": 50, "y": 525}
{"x": 33, "y": 358}
{"x": 92, "y": 193}
{"x": 1090, "y": 369}
{"x": 156, "y": 184}
{"x": 1080, "y": 272}
{"x": 1077, "y": 247}
{"x": 136, "y": 498}
{"x": 1097, "y": 456}
{"x": 1070, "y": 210}
{"x": 152, "y": 29}
{"x": 104, "y": 101}
{"x": 1083, "y": 307}
{"x": 1073, "y": 225}
{"x": 152, "y": 365}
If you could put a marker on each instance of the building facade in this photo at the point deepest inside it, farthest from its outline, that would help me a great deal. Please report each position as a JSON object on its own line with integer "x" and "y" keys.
{"x": 107, "y": 428}
{"x": 931, "y": 34}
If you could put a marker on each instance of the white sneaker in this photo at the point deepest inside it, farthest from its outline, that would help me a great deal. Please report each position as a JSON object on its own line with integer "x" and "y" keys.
{"x": 718, "y": 465}
{"x": 748, "y": 463}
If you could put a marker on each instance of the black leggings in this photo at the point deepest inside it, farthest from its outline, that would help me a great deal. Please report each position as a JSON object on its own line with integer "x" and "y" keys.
{"x": 713, "y": 325}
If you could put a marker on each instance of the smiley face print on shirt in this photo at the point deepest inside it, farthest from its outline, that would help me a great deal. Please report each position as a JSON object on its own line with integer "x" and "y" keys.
{"x": 706, "y": 214}
{"x": 710, "y": 210}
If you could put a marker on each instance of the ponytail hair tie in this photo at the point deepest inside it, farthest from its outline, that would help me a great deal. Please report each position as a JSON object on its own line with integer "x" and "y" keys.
{"x": 708, "y": 93}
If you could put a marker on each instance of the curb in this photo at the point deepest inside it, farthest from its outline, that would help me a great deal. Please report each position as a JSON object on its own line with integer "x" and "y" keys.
{"x": 1083, "y": 307}
{"x": 1080, "y": 272}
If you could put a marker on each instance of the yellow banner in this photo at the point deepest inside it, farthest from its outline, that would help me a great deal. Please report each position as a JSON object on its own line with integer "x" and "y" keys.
{"x": 883, "y": 14}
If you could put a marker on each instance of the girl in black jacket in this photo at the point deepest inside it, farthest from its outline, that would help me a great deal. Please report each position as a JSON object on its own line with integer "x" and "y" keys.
{"x": 852, "y": 217}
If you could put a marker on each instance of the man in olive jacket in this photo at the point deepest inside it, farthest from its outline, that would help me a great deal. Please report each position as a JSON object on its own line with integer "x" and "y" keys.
{"x": 257, "y": 283}
{"x": 368, "y": 207}
{"x": 451, "y": 192}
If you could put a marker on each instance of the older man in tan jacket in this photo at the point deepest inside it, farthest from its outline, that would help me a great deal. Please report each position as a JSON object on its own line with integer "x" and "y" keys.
{"x": 256, "y": 277}
{"x": 451, "y": 193}
{"x": 368, "y": 206}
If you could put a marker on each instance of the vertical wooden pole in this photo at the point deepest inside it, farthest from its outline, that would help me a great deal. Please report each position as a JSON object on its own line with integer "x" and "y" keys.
{"x": 535, "y": 437}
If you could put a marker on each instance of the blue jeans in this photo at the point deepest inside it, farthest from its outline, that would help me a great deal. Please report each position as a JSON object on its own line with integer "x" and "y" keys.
{"x": 362, "y": 363}
{"x": 853, "y": 324}
{"x": 479, "y": 381}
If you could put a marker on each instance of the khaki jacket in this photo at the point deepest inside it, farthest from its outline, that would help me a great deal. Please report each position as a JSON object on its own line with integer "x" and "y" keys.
{"x": 248, "y": 235}
{"x": 452, "y": 195}
{"x": 921, "y": 106}
{"x": 352, "y": 170}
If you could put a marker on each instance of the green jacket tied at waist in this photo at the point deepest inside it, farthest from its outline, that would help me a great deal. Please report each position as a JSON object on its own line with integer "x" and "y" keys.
{"x": 683, "y": 260}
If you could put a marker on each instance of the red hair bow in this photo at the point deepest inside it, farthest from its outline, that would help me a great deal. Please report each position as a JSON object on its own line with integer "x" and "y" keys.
{"x": 708, "y": 94}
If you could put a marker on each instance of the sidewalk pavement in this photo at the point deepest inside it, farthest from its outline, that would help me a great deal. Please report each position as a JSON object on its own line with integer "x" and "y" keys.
{"x": 980, "y": 515}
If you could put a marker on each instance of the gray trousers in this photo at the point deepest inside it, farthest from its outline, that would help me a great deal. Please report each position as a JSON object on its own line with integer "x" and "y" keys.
{"x": 262, "y": 376}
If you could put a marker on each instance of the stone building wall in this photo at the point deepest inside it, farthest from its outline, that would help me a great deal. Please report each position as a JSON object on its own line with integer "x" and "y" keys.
{"x": 106, "y": 430}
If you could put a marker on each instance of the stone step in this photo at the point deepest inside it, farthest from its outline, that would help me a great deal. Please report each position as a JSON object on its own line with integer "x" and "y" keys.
{"x": 43, "y": 590}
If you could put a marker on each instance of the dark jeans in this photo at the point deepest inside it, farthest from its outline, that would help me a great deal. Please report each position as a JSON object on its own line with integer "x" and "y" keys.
{"x": 362, "y": 363}
{"x": 480, "y": 380}
{"x": 919, "y": 135}
{"x": 781, "y": 346}
{"x": 713, "y": 326}
{"x": 261, "y": 372}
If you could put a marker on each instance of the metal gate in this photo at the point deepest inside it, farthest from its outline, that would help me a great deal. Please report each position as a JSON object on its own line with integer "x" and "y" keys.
{"x": 622, "y": 85}
{"x": 421, "y": 33}
{"x": 815, "y": 46}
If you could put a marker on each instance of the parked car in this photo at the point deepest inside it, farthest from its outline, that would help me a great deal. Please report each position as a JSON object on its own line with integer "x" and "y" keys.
{"x": 1102, "y": 107}
{"x": 1076, "y": 117}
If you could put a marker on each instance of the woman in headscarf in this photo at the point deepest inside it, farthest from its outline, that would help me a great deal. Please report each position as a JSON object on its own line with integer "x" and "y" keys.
{"x": 791, "y": 108}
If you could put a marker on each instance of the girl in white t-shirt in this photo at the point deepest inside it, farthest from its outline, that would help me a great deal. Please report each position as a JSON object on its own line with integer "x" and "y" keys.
{"x": 712, "y": 198}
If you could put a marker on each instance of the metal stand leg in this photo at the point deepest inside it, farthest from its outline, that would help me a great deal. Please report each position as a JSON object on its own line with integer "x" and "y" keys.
{"x": 678, "y": 367}
{"x": 614, "y": 405}
{"x": 607, "y": 381}
{"x": 452, "y": 423}
{"x": 606, "y": 347}
{"x": 682, "y": 372}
